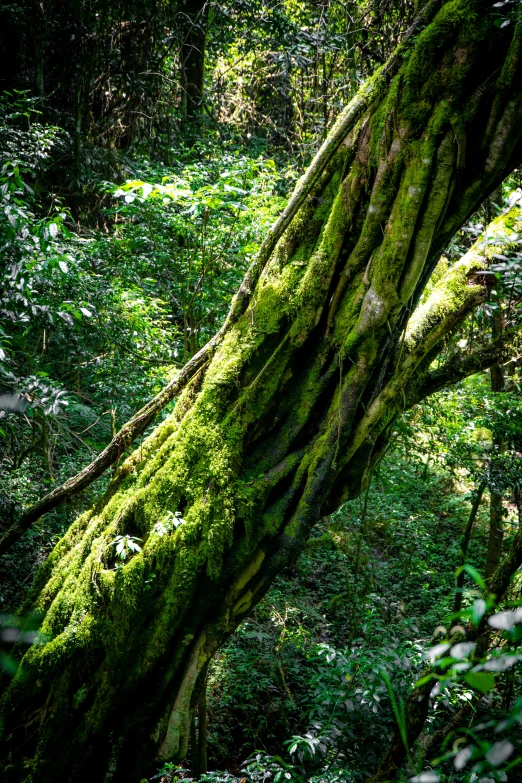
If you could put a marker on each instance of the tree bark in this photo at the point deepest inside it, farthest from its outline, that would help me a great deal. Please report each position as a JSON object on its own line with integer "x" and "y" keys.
{"x": 294, "y": 408}
{"x": 202, "y": 730}
{"x": 496, "y": 532}
{"x": 466, "y": 538}
{"x": 496, "y": 511}
{"x": 194, "y": 14}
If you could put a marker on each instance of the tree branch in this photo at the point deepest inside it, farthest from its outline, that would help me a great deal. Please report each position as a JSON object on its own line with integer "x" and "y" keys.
{"x": 110, "y": 454}
{"x": 460, "y": 367}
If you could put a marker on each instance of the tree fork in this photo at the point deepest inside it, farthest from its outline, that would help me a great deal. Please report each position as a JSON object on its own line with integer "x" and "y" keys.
{"x": 284, "y": 422}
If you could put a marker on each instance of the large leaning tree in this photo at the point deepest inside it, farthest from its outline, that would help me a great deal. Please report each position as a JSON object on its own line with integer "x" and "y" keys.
{"x": 283, "y": 414}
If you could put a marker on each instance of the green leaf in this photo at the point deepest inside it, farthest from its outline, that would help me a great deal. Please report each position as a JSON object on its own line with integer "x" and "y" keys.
{"x": 473, "y": 573}
{"x": 424, "y": 680}
{"x": 480, "y": 681}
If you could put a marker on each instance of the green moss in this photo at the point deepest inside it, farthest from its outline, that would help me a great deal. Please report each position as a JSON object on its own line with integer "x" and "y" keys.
{"x": 383, "y": 124}
{"x": 439, "y": 63}
{"x": 192, "y": 465}
{"x": 454, "y": 288}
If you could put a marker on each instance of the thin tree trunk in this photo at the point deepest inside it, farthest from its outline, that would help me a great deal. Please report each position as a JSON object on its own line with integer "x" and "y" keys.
{"x": 496, "y": 533}
{"x": 294, "y": 408}
{"x": 202, "y": 730}
{"x": 198, "y": 731}
{"x": 457, "y": 604}
{"x": 39, "y": 51}
{"x": 517, "y": 495}
{"x": 194, "y": 747}
{"x": 496, "y": 511}
{"x": 192, "y": 55}
{"x": 77, "y": 134}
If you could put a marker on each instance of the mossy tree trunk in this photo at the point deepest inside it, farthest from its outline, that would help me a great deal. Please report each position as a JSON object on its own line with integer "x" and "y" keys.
{"x": 283, "y": 424}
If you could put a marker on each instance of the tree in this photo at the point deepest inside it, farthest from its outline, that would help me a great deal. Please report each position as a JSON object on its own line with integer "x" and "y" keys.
{"x": 290, "y": 407}
{"x": 194, "y": 14}
{"x": 496, "y": 533}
